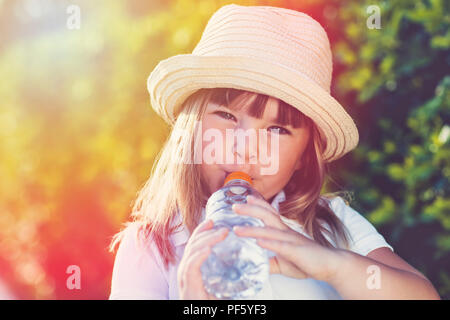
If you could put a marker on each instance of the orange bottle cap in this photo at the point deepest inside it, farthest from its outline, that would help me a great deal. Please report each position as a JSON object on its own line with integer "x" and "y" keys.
{"x": 238, "y": 175}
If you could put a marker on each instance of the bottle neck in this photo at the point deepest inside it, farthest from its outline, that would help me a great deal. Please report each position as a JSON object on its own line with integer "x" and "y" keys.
{"x": 237, "y": 181}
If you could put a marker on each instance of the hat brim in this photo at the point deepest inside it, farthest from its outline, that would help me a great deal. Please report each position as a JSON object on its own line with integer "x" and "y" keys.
{"x": 176, "y": 78}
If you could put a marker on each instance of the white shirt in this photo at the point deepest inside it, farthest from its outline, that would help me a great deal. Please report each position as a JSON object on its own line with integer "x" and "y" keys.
{"x": 140, "y": 274}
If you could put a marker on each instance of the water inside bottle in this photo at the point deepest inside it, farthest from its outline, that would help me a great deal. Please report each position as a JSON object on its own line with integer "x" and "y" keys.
{"x": 237, "y": 267}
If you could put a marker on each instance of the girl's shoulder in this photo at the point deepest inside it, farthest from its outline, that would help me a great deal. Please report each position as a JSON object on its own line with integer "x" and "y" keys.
{"x": 341, "y": 207}
{"x": 364, "y": 237}
{"x": 138, "y": 271}
{"x": 136, "y": 242}
{"x": 351, "y": 218}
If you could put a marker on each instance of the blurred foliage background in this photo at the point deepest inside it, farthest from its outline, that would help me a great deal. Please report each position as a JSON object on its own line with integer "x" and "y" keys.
{"x": 78, "y": 137}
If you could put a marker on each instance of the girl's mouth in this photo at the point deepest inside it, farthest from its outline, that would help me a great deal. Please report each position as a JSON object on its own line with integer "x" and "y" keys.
{"x": 228, "y": 172}
{"x": 226, "y": 175}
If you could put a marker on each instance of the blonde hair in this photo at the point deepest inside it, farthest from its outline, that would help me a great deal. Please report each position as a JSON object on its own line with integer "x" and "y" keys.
{"x": 177, "y": 186}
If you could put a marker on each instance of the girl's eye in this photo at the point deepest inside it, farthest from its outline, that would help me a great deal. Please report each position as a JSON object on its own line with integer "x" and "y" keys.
{"x": 229, "y": 116}
{"x": 225, "y": 115}
{"x": 280, "y": 130}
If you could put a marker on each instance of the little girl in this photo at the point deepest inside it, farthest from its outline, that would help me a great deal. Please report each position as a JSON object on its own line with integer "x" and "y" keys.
{"x": 255, "y": 68}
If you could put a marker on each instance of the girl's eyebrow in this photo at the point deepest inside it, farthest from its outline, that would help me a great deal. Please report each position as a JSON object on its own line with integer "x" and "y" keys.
{"x": 272, "y": 120}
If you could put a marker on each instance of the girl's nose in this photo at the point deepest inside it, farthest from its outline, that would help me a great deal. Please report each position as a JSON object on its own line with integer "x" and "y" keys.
{"x": 245, "y": 144}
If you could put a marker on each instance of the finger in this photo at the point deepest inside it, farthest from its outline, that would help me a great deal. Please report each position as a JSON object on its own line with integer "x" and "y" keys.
{"x": 195, "y": 260}
{"x": 191, "y": 274}
{"x": 274, "y": 265}
{"x": 254, "y": 210}
{"x": 210, "y": 238}
{"x": 286, "y": 250}
{"x": 268, "y": 233}
{"x": 201, "y": 228}
{"x": 205, "y": 225}
{"x": 262, "y": 203}
{"x": 207, "y": 234}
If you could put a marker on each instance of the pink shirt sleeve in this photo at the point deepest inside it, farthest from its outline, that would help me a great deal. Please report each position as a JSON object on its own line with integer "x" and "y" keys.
{"x": 138, "y": 273}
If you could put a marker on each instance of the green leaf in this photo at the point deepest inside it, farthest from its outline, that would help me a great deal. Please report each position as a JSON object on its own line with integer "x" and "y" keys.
{"x": 384, "y": 213}
{"x": 396, "y": 172}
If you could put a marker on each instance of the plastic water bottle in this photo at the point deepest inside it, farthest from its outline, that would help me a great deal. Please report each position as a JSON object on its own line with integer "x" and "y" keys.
{"x": 237, "y": 266}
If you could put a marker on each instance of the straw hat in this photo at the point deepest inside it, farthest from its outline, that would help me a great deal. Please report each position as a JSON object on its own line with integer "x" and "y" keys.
{"x": 274, "y": 51}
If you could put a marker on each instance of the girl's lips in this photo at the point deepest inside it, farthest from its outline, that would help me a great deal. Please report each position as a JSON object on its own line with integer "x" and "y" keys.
{"x": 226, "y": 173}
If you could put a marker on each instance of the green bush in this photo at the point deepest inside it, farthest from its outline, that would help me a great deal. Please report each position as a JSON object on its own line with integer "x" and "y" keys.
{"x": 395, "y": 81}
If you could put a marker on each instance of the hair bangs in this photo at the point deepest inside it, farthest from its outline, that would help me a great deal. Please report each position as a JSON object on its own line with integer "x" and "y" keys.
{"x": 255, "y": 104}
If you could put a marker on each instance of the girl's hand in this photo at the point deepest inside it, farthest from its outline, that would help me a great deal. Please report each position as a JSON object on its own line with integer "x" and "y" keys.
{"x": 198, "y": 247}
{"x": 296, "y": 255}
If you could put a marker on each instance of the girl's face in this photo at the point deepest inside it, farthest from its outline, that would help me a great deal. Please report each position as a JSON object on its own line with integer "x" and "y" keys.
{"x": 291, "y": 145}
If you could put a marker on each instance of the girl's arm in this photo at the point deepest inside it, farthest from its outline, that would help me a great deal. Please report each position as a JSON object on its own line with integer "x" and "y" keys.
{"x": 380, "y": 275}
